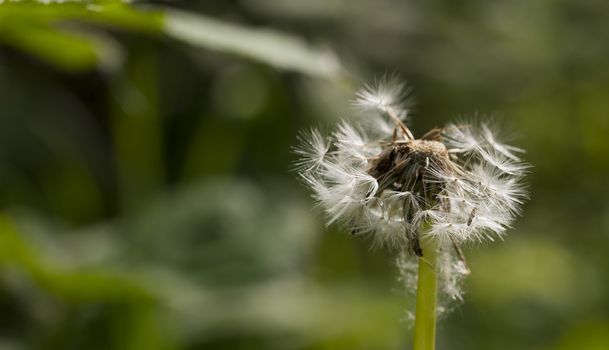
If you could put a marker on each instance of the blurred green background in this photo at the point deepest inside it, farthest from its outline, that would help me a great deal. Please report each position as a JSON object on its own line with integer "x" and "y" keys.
{"x": 146, "y": 192}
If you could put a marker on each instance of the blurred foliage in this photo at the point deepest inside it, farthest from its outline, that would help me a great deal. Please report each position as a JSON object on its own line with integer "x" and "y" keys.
{"x": 54, "y": 31}
{"x": 146, "y": 196}
{"x": 35, "y": 27}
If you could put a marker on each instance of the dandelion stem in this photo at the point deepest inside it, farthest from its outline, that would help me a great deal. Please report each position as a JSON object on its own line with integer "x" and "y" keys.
{"x": 425, "y": 313}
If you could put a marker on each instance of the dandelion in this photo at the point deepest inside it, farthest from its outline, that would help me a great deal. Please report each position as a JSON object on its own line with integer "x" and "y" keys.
{"x": 426, "y": 196}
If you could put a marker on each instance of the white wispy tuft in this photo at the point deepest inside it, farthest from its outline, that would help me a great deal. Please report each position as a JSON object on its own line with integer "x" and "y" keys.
{"x": 387, "y": 93}
{"x": 382, "y": 104}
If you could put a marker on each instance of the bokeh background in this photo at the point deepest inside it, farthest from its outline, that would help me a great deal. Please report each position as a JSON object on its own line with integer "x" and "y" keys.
{"x": 147, "y": 200}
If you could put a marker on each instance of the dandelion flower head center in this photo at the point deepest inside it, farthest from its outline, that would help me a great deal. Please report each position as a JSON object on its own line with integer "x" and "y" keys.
{"x": 402, "y": 166}
{"x": 428, "y": 148}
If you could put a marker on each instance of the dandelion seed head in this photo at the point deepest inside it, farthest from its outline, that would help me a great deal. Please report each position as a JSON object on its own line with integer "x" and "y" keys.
{"x": 459, "y": 188}
{"x": 453, "y": 185}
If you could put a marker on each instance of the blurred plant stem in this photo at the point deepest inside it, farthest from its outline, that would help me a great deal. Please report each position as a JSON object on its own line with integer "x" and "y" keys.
{"x": 427, "y": 290}
{"x": 137, "y": 128}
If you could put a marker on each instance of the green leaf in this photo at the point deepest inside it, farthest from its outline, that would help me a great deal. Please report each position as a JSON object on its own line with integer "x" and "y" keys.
{"x": 68, "y": 283}
{"x": 264, "y": 45}
{"x": 114, "y": 14}
{"x": 54, "y": 32}
{"x": 66, "y": 50}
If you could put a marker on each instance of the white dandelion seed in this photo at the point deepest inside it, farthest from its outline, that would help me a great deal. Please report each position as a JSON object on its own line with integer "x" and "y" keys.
{"x": 312, "y": 150}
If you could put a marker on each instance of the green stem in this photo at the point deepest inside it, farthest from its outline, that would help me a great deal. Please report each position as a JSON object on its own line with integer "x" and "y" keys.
{"x": 427, "y": 289}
